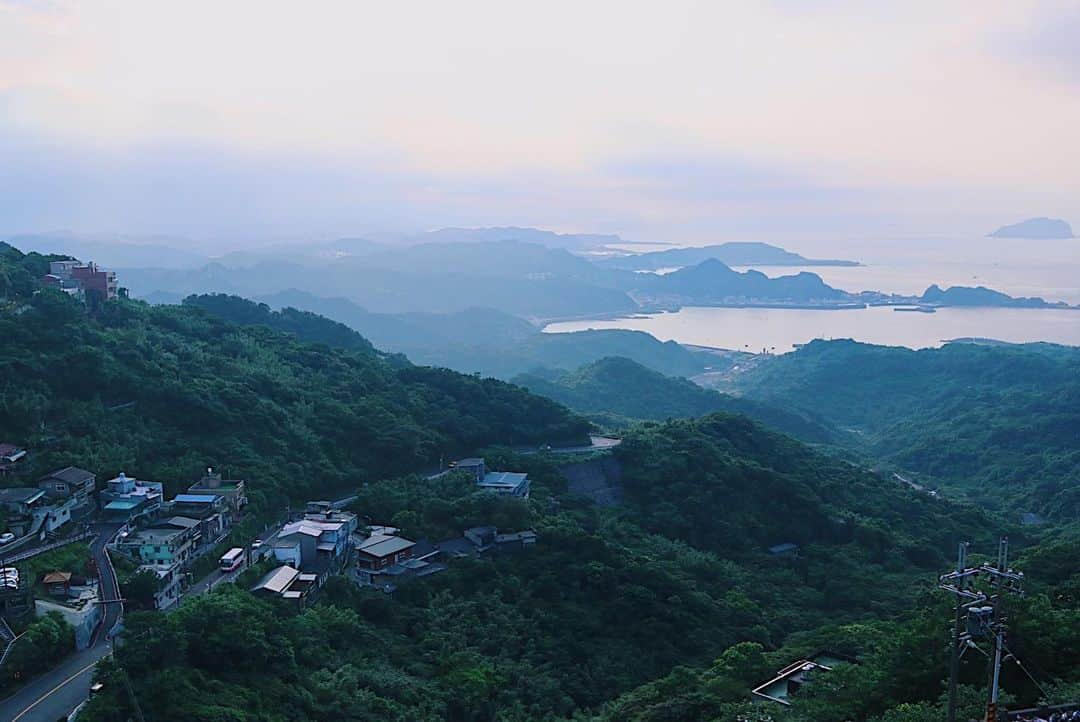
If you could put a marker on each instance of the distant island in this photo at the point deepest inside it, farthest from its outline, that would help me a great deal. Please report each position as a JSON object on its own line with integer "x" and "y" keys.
{"x": 734, "y": 253}
{"x": 1041, "y": 229}
{"x": 981, "y": 296}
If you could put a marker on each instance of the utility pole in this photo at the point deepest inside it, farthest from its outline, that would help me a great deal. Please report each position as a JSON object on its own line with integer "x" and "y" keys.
{"x": 983, "y": 617}
{"x": 958, "y": 627}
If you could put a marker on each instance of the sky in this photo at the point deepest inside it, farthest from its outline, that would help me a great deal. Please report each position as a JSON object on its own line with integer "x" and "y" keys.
{"x": 675, "y": 120}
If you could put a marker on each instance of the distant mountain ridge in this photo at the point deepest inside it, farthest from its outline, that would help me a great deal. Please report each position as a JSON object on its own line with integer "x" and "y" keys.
{"x": 486, "y": 341}
{"x": 1042, "y": 229}
{"x": 732, "y": 253}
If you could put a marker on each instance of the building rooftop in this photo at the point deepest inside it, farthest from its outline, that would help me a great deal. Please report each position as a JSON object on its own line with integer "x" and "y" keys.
{"x": 456, "y": 547}
{"x": 70, "y": 475}
{"x": 184, "y": 522}
{"x": 381, "y": 545}
{"x": 122, "y": 505}
{"x": 11, "y": 452}
{"x": 153, "y": 535}
{"x": 304, "y": 527}
{"x": 195, "y": 498}
{"x": 57, "y": 578}
{"x": 277, "y": 580}
{"x": 20, "y": 495}
{"x": 504, "y": 479}
{"x": 471, "y": 461}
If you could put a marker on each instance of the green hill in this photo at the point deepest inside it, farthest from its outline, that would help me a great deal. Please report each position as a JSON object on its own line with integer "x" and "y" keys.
{"x": 616, "y": 386}
{"x": 491, "y": 342}
{"x": 671, "y": 580}
{"x": 162, "y": 392}
{"x": 999, "y": 422}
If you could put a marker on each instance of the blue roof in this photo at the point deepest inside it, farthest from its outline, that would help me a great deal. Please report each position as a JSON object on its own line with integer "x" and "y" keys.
{"x": 122, "y": 504}
{"x": 195, "y": 498}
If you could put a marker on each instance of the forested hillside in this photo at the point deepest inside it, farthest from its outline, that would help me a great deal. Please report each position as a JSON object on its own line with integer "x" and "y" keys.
{"x": 162, "y": 392}
{"x": 474, "y": 340}
{"x": 1000, "y": 423}
{"x": 617, "y": 391}
{"x": 672, "y": 579}
{"x": 678, "y": 578}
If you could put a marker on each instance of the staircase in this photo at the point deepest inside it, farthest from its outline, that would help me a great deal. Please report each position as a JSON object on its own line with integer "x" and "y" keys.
{"x": 7, "y": 638}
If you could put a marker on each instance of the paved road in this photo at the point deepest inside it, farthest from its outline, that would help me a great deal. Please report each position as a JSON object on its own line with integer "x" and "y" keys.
{"x": 597, "y": 443}
{"x": 59, "y": 691}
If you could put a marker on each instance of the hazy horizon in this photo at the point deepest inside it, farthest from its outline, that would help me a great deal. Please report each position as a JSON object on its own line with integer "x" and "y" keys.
{"x": 689, "y": 123}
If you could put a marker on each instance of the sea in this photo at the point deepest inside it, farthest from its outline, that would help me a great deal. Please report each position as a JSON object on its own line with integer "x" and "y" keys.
{"x": 904, "y": 265}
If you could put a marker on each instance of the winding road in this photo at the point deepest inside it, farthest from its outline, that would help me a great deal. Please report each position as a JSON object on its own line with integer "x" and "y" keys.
{"x": 56, "y": 693}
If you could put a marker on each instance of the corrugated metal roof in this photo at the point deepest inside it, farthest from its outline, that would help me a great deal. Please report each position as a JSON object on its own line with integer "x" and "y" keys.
{"x": 381, "y": 546}
{"x": 278, "y": 580}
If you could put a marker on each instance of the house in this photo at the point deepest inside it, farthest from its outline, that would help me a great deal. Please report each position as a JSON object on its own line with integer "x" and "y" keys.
{"x": 516, "y": 541}
{"x": 386, "y": 561}
{"x": 380, "y": 551}
{"x": 171, "y": 580}
{"x": 96, "y": 282}
{"x": 389, "y": 578}
{"x": 506, "y": 482}
{"x": 482, "y": 537}
{"x": 79, "y": 608}
{"x": 501, "y": 482}
{"x": 160, "y": 546}
{"x": 10, "y": 454}
{"x": 211, "y": 511}
{"x": 231, "y": 491}
{"x": 85, "y": 278}
{"x": 67, "y": 285}
{"x": 290, "y": 584}
{"x": 319, "y": 542}
{"x": 788, "y": 680}
{"x": 67, "y": 483}
{"x": 321, "y": 511}
{"x": 125, "y": 498}
{"x": 474, "y": 466}
{"x": 57, "y": 584}
{"x": 24, "y": 506}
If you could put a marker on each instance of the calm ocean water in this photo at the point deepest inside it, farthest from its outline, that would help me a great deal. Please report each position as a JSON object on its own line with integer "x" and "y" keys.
{"x": 778, "y": 330}
{"x": 1050, "y": 269}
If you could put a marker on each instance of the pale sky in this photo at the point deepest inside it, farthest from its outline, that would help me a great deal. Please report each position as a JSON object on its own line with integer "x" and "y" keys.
{"x": 669, "y": 120}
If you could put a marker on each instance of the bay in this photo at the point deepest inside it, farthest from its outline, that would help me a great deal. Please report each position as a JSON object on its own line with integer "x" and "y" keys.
{"x": 779, "y": 330}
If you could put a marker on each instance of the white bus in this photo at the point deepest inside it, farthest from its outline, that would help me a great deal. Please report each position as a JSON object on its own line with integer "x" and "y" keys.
{"x": 232, "y": 559}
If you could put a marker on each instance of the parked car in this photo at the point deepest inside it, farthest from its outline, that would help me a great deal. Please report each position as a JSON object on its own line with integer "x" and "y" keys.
{"x": 6, "y": 538}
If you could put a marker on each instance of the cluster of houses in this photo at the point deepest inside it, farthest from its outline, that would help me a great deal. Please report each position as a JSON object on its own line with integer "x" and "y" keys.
{"x": 325, "y": 541}
{"x": 166, "y": 537}
{"x": 308, "y": 550}
{"x": 60, "y": 497}
{"x": 84, "y": 281}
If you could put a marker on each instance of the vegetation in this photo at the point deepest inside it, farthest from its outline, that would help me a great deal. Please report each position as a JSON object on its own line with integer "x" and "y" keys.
{"x": 999, "y": 423}
{"x": 666, "y": 608}
{"x": 617, "y": 391}
{"x": 163, "y": 392}
{"x": 46, "y": 640}
{"x": 481, "y": 340}
{"x": 544, "y": 635}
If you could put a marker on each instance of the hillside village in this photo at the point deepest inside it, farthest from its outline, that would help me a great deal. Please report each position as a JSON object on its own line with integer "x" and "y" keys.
{"x": 168, "y": 541}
